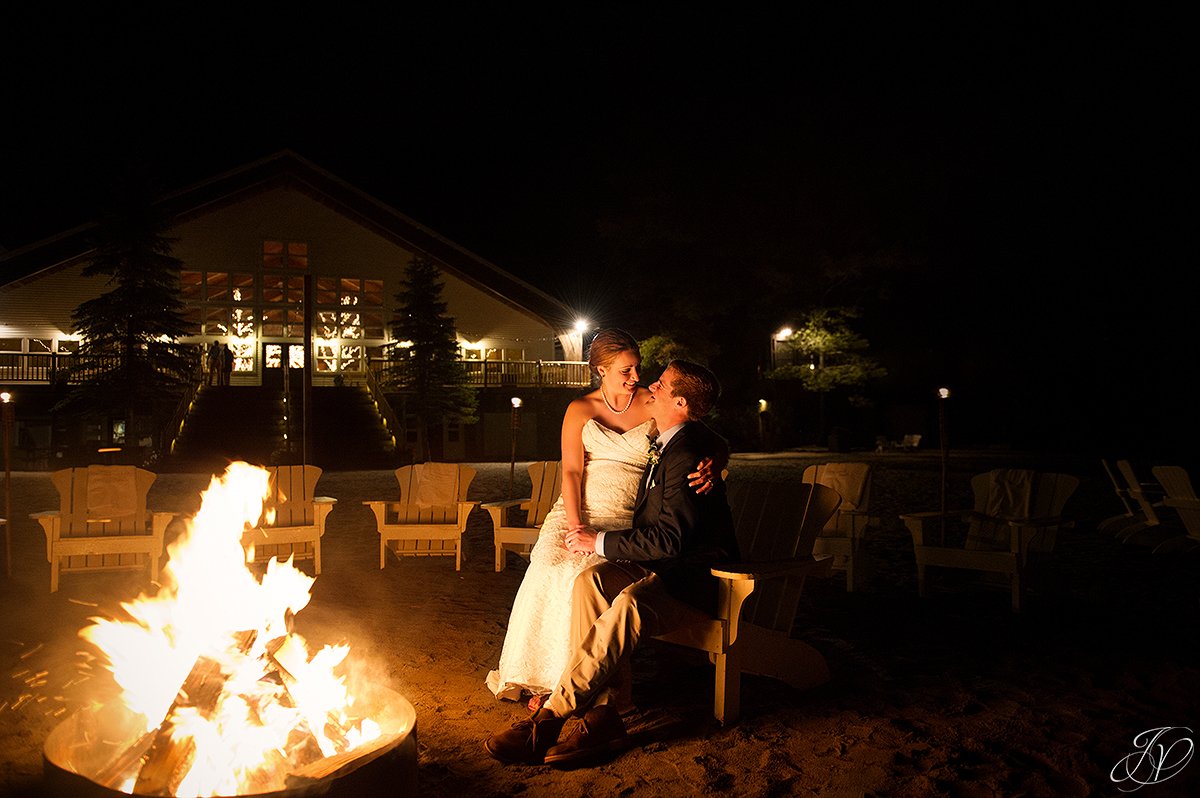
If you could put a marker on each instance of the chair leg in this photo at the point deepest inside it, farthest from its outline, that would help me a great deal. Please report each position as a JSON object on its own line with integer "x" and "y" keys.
{"x": 382, "y": 551}
{"x": 458, "y": 554}
{"x": 727, "y": 688}
{"x": 921, "y": 581}
{"x": 54, "y": 574}
{"x": 500, "y": 560}
{"x": 317, "y": 556}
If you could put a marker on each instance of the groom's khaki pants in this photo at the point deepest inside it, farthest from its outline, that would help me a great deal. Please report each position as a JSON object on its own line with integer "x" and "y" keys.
{"x": 613, "y": 604}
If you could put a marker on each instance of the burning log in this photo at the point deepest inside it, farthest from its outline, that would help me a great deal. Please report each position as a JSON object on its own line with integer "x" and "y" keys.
{"x": 170, "y": 758}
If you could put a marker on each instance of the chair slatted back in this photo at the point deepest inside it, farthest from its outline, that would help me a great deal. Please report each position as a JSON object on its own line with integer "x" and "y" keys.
{"x": 291, "y": 490}
{"x": 73, "y": 484}
{"x": 1121, "y": 491}
{"x": 1178, "y": 485}
{"x": 409, "y": 512}
{"x": 546, "y": 478}
{"x": 1136, "y": 492}
{"x": 852, "y": 481}
{"x": 778, "y": 521}
{"x": 1048, "y": 496}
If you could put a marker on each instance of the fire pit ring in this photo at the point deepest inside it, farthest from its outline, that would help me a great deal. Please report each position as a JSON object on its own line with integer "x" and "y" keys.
{"x": 75, "y": 751}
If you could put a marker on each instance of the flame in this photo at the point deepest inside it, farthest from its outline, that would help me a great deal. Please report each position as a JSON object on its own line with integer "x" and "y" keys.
{"x": 277, "y": 702}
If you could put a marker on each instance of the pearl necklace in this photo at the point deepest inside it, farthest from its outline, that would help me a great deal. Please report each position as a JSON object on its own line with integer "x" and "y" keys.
{"x": 628, "y": 404}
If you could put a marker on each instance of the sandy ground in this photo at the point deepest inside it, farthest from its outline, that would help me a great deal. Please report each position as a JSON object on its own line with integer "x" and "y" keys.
{"x": 949, "y": 695}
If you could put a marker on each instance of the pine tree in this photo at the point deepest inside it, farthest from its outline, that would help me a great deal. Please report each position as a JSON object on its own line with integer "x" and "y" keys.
{"x": 130, "y": 362}
{"x": 428, "y": 372}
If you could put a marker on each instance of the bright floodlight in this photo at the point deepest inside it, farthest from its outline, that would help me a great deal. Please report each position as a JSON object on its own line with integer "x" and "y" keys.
{"x": 516, "y": 401}
{"x": 783, "y": 334}
{"x": 5, "y": 397}
{"x": 943, "y": 393}
{"x": 581, "y": 325}
{"x": 762, "y": 405}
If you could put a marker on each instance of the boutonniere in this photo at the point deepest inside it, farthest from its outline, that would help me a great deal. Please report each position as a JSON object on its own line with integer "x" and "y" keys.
{"x": 653, "y": 450}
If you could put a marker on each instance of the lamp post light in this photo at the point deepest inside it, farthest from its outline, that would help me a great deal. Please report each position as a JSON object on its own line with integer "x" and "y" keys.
{"x": 6, "y": 400}
{"x": 514, "y": 426}
{"x": 943, "y": 394}
{"x": 779, "y": 337}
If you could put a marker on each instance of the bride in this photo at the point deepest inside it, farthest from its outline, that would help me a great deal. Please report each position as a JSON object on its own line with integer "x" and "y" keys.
{"x": 605, "y": 443}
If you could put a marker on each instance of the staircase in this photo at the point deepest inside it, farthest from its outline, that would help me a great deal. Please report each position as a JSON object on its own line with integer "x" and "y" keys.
{"x": 229, "y": 423}
{"x": 247, "y": 423}
{"x": 348, "y": 434}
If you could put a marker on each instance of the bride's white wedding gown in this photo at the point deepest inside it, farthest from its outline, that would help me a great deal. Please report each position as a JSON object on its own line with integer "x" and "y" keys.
{"x": 538, "y": 641}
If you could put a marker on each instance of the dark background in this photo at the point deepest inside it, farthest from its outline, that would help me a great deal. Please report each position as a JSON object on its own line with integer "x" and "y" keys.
{"x": 1006, "y": 188}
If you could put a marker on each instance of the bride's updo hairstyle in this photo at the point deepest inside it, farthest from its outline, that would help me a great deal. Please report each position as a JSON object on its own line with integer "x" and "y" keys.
{"x": 607, "y": 345}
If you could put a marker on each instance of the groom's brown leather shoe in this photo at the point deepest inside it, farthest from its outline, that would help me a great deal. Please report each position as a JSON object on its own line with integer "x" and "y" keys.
{"x": 600, "y": 732}
{"x": 526, "y": 741}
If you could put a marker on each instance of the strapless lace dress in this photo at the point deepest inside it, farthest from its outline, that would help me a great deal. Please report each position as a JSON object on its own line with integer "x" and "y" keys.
{"x": 537, "y": 644}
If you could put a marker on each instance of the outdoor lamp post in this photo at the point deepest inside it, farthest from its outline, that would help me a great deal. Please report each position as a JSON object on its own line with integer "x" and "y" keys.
{"x": 779, "y": 337}
{"x": 6, "y": 400}
{"x": 514, "y": 425}
{"x": 943, "y": 395}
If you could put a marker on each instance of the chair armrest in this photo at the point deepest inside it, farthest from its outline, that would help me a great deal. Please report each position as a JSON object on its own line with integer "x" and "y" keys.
{"x": 1044, "y": 521}
{"x": 933, "y": 514}
{"x": 773, "y": 569}
{"x": 324, "y": 500}
{"x": 51, "y": 521}
{"x": 1182, "y": 503}
{"x": 504, "y": 504}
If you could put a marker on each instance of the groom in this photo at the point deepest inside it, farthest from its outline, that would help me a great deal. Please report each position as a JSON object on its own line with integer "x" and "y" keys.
{"x": 654, "y": 578}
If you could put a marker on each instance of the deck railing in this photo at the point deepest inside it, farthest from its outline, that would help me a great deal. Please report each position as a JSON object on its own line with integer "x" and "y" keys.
{"x": 511, "y": 373}
{"x": 27, "y": 367}
{"x": 44, "y": 367}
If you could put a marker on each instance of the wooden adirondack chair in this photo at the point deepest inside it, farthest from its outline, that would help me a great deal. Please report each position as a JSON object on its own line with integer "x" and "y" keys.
{"x": 299, "y": 520}
{"x": 431, "y": 516}
{"x": 1146, "y": 526}
{"x": 102, "y": 523}
{"x": 844, "y": 531}
{"x": 1181, "y": 496}
{"x": 777, "y": 524}
{"x": 1017, "y": 513}
{"x": 519, "y": 534}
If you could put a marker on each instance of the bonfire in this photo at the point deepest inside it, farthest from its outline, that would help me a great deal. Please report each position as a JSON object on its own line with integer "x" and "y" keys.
{"x": 219, "y": 695}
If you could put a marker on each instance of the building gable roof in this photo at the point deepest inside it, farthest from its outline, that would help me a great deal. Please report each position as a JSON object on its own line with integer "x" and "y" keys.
{"x": 286, "y": 169}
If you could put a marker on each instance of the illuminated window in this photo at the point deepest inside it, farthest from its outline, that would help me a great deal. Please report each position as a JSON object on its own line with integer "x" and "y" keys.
{"x": 242, "y": 287}
{"x": 297, "y": 255}
{"x": 272, "y": 254}
{"x": 42, "y": 346}
{"x": 285, "y": 255}
{"x": 273, "y": 356}
{"x": 191, "y": 285}
{"x": 67, "y": 346}
{"x": 216, "y": 321}
{"x": 373, "y": 293}
{"x": 272, "y": 323}
{"x": 217, "y": 286}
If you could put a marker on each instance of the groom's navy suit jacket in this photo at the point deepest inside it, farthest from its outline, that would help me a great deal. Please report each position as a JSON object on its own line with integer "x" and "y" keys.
{"x": 677, "y": 533}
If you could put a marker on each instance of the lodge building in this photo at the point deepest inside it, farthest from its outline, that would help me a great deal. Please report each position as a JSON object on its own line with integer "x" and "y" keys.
{"x": 252, "y": 241}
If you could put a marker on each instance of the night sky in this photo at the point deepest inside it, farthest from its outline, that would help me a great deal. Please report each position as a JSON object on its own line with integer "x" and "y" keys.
{"x": 1008, "y": 190}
